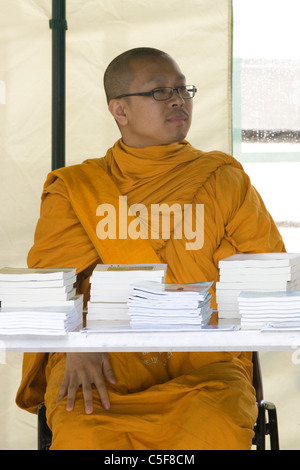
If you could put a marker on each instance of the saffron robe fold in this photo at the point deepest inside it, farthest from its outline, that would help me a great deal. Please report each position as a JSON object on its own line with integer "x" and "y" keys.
{"x": 161, "y": 400}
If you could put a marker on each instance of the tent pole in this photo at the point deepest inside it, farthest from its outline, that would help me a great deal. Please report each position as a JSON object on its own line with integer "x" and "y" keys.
{"x": 58, "y": 24}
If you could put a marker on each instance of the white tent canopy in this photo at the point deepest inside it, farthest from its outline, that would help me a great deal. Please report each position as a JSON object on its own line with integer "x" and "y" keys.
{"x": 195, "y": 32}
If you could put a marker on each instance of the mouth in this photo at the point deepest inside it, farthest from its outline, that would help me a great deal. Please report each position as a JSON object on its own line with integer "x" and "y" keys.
{"x": 178, "y": 118}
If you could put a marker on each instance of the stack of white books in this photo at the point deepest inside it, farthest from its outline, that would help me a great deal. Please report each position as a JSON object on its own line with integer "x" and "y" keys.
{"x": 111, "y": 285}
{"x": 37, "y": 284}
{"x": 270, "y": 310}
{"x": 39, "y": 301}
{"x": 42, "y": 321}
{"x": 266, "y": 272}
{"x": 154, "y": 304}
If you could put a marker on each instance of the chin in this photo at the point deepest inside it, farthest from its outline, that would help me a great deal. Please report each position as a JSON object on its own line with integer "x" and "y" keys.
{"x": 179, "y": 137}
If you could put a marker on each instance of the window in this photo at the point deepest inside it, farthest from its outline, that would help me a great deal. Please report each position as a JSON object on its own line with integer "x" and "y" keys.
{"x": 266, "y": 80}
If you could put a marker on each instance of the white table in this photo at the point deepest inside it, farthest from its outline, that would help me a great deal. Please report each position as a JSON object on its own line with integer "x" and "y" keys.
{"x": 146, "y": 341}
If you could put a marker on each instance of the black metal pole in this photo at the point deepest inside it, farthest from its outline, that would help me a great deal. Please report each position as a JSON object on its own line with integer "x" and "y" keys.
{"x": 58, "y": 24}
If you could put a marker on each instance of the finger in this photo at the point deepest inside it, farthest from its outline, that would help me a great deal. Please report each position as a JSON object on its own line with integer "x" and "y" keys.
{"x": 108, "y": 371}
{"x": 62, "y": 392}
{"x": 100, "y": 385}
{"x": 71, "y": 397}
{"x": 88, "y": 398}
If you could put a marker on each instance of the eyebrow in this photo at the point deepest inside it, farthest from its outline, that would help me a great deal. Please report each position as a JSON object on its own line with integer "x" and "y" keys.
{"x": 163, "y": 79}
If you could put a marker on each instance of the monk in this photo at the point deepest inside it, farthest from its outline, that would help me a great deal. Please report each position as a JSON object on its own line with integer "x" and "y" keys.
{"x": 153, "y": 401}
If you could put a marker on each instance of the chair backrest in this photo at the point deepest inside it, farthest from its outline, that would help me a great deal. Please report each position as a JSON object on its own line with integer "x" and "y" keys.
{"x": 44, "y": 433}
{"x": 267, "y": 423}
{"x": 257, "y": 378}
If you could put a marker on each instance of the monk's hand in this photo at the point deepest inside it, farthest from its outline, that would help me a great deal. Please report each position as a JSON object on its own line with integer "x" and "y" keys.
{"x": 86, "y": 369}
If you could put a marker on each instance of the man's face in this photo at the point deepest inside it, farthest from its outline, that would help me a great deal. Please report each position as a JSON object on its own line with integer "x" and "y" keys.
{"x": 146, "y": 122}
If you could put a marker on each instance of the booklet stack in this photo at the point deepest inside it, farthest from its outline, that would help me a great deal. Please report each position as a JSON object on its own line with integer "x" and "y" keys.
{"x": 270, "y": 310}
{"x": 154, "y": 304}
{"x": 266, "y": 272}
{"x": 39, "y": 301}
{"x": 111, "y": 285}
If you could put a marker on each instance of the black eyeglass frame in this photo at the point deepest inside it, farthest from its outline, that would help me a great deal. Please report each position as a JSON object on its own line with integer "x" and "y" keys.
{"x": 152, "y": 92}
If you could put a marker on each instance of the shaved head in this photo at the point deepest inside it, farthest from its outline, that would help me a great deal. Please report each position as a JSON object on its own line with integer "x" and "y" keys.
{"x": 120, "y": 73}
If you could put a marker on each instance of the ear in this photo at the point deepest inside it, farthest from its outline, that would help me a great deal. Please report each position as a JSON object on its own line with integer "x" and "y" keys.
{"x": 118, "y": 109}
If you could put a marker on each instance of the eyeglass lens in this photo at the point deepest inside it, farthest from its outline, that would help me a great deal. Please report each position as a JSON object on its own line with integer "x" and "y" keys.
{"x": 165, "y": 93}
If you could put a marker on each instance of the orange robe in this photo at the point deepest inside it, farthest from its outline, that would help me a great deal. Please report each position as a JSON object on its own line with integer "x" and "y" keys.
{"x": 161, "y": 400}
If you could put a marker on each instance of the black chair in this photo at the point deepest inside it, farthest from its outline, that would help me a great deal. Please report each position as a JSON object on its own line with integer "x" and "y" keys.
{"x": 44, "y": 432}
{"x": 266, "y": 424}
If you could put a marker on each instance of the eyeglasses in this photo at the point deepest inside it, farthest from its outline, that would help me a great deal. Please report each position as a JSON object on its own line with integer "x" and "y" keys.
{"x": 165, "y": 93}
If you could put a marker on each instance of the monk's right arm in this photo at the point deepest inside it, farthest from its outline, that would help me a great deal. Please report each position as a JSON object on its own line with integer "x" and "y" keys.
{"x": 61, "y": 241}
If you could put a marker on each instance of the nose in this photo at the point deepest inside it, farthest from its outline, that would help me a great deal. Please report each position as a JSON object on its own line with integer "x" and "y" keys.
{"x": 176, "y": 99}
